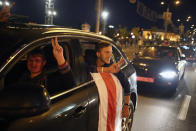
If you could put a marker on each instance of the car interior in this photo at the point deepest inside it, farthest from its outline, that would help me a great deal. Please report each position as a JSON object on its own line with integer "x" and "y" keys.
{"x": 18, "y": 70}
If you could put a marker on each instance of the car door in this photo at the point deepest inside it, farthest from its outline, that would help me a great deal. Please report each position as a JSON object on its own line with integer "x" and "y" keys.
{"x": 68, "y": 108}
{"x": 81, "y": 68}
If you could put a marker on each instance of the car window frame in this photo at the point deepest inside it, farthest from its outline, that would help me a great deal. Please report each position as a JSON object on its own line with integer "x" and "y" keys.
{"x": 96, "y": 41}
{"x": 120, "y": 53}
{"x": 21, "y": 52}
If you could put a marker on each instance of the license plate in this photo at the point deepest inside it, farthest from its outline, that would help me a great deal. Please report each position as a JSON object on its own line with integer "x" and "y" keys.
{"x": 190, "y": 58}
{"x": 145, "y": 79}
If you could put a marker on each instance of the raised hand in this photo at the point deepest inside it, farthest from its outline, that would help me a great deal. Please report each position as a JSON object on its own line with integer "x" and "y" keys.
{"x": 120, "y": 62}
{"x": 5, "y": 12}
{"x": 58, "y": 51}
{"x": 125, "y": 111}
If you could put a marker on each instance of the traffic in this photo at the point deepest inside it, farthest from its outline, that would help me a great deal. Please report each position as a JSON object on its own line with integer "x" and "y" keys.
{"x": 97, "y": 65}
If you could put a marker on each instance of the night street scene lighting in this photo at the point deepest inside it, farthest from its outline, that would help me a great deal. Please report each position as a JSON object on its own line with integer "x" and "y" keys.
{"x": 50, "y": 12}
{"x": 6, "y": 3}
{"x": 177, "y": 2}
{"x": 162, "y": 3}
{"x": 104, "y": 17}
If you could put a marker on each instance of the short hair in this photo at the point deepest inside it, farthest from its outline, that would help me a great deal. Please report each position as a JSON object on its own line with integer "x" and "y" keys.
{"x": 100, "y": 46}
{"x": 35, "y": 52}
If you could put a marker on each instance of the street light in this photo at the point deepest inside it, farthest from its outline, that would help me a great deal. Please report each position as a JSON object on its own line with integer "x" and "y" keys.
{"x": 188, "y": 18}
{"x": 104, "y": 16}
{"x": 52, "y": 13}
{"x": 6, "y": 3}
{"x": 177, "y": 2}
{"x": 1, "y": 3}
{"x": 49, "y": 11}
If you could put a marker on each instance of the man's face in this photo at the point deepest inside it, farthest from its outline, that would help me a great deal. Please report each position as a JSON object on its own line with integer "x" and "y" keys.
{"x": 35, "y": 64}
{"x": 105, "y": 54}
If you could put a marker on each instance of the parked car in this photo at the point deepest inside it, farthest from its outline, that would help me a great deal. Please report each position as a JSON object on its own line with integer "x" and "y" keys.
{"x": 190, "y": 52}
{"x": 159, "y": 66}
{"x": 28, "y": 108}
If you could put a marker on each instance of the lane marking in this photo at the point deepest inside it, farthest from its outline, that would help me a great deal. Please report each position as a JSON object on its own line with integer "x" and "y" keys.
{"x": 184, "y": 108}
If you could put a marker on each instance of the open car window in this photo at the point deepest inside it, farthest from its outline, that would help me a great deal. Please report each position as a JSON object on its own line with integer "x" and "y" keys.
{"x": 89, "y": 52}
{"x": 19, "y": 70}
{"x": 157, "y": 52}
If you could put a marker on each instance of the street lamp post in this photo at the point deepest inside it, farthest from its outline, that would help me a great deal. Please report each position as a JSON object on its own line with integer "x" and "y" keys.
{"x": 104, "y": 17}
{"x": 99, "y": 8}
{"x": 49, "y": 11}
{"x": 167, "y": 16}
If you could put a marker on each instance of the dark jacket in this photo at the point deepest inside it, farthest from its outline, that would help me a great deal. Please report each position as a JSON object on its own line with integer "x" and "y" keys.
{"x": 55, "y": 81}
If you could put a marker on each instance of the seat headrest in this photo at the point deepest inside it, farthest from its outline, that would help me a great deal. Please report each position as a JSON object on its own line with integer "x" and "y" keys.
{"x": 90, "y": 56}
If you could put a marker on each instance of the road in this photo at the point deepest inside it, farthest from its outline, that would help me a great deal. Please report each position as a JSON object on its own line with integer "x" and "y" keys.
{"x": 159, "y": 112}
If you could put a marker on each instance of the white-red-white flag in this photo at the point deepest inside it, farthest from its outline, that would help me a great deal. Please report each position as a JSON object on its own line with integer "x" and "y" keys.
{"x": 110, "y": 107}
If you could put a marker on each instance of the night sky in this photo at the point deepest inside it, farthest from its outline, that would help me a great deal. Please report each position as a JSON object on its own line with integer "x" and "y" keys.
{"x": 72, "y": 13}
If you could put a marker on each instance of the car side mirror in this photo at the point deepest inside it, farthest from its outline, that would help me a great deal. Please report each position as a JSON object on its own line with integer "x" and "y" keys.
{"x": 182, "y": 57}
{"x": 21, "y": 100}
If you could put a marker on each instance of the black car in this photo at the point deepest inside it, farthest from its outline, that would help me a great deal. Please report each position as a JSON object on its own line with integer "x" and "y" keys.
{"x": 27, "y": 108}
{"x": 159, "y": 66}
{"x": 190, "y": 52}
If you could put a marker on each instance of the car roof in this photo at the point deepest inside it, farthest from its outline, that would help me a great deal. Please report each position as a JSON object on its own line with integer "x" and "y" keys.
{"x": 14, "y": 35}
{"x": 32, "y": 31}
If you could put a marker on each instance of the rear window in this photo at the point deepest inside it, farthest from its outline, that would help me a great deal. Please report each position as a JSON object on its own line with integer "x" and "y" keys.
{"x": 157, "y": 52}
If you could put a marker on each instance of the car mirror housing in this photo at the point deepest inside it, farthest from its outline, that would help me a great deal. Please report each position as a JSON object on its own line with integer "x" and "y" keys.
{"x": 21, "y": 100}
{"x": 183, "y": 57}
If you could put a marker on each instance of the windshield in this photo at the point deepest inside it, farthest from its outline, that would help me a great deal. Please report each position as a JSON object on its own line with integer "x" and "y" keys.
{"x": 188, "y": 50}
{"x": 157, "y": 52}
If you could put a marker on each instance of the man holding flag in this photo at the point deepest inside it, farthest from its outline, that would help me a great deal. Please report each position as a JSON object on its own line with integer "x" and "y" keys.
{"x": 104, "y": 66}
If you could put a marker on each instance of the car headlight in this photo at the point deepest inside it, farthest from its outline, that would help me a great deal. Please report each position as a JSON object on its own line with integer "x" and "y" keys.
{"x": 168, "y": 74}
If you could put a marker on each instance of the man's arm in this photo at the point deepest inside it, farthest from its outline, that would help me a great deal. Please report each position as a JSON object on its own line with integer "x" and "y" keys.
{"x": 126, "y": 88}
{"x": 111, "y": 69}
{"x": 63, "y": 65}
{"x": 125, "y": 111}
{"x": 114, "y": 68}
{"x": 64, "y": 79}
{"x": 58, "y": 52}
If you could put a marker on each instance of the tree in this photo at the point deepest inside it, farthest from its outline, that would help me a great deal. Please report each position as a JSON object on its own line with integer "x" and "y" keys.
{"x": 135, "y": 31}
{"x": 123, "y": 36}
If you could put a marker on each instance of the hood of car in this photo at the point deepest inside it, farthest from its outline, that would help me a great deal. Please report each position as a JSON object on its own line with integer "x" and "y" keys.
{"x": 153, "y": 66}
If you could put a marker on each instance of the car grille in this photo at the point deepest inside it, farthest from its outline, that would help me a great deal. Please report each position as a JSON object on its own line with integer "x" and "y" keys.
{"x": 141, "y": 71}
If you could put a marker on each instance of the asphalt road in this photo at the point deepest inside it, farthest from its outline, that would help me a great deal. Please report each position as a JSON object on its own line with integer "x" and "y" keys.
{"x": 157, "y": 111}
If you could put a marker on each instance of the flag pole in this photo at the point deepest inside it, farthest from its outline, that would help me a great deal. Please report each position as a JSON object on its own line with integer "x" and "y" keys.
{"x": 99, "y": 7}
